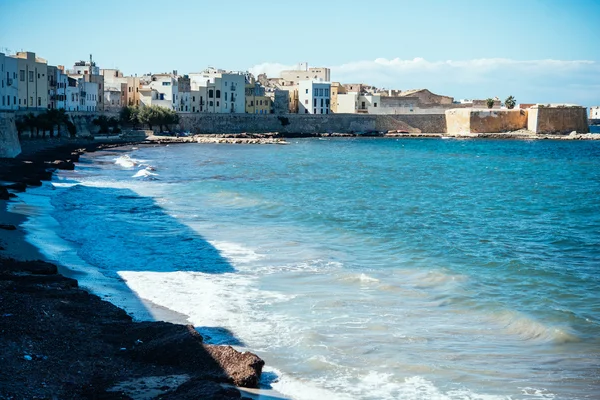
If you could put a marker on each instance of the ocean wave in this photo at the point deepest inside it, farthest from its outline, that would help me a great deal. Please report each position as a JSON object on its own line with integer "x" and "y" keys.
{"x": 517, "y": 324}
{"x": 361, "y": 278}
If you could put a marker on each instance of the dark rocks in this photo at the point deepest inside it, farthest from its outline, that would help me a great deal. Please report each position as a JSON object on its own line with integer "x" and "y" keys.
{"x": 200, "y": 389}
{"x": 243, "y": 368}
{"x": 4, "y": 195}
{"x": 8, "y": 227}
{"x": 177, "y": 345}
{"x": 64, "y": 164}
{"x": 32, "y": 267}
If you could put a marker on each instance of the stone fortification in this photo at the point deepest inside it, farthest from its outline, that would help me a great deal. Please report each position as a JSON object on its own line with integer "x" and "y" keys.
{"x": 552, "y": 120}
{"x": 461, "y": 121}
{"x": 9, "y": 139}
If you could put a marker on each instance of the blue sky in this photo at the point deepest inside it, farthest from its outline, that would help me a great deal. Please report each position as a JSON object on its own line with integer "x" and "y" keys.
{"x": 536, "y": 50}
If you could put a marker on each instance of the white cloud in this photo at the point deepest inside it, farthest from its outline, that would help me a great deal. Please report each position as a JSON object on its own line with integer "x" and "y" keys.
{"x": 569, "y": 81}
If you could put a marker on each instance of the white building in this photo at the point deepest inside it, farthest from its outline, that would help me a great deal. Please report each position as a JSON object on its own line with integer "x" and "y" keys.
{"x": 314, "y": 97}
{"x": 160, "y": 90}
{"x": 89, "y": 93}
{"x": 225, "y": 91}
{"x": 72, "y": 95}
{"x": 62, "y": 82}
{"x": 9, "y": 89}
{"x": 595, "y": 112}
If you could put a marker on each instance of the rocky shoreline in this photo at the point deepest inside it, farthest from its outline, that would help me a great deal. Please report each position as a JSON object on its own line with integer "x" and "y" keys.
{"x": 60, "y": 342}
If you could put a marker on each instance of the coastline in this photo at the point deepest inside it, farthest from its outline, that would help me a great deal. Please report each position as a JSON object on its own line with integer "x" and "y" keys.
{"x": 60, "y": 340}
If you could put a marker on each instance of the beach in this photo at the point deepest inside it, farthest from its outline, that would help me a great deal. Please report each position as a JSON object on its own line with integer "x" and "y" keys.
{"x": 59, "y": 341}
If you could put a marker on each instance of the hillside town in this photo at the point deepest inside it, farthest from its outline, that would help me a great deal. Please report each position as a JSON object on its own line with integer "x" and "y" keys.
{"x": 29, "y": 82}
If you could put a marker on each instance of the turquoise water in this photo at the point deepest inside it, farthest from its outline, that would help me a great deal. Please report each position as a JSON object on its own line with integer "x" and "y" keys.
{"x": 358, "y": 268}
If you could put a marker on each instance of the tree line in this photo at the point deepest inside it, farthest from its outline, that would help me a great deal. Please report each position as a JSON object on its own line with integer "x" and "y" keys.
{"x": 153, "y": 116}
{"x": 45, "y": 122}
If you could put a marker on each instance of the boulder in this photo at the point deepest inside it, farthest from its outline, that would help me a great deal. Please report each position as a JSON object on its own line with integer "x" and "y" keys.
{"x": 62, "y": 164}
{"x": 164, "y": 343}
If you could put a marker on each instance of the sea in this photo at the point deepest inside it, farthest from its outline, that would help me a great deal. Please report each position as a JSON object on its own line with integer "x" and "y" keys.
{"x": 357, "y": 268}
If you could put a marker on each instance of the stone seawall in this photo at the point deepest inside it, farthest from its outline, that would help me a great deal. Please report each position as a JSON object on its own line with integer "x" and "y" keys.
{"x": 461, "y": 121}
{"x": 545, "y": 120}
{"x": 10, "y": 146}
{"x": 306, "y": 124}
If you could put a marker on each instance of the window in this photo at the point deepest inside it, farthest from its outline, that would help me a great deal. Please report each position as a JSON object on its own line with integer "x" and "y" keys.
{"x": 31, "y": 76}
{"x": 166, "y": 83}
{"x": 218, "y": 96}
{"x": 314, "y": 111}
{"x": 305, "y": 111}
{"x": 315, "y": 92}
{"x": 210, "y": 94}
{"x": 217, "y": 104}
{"x": 261, "y": 102}
{"x": 374, "y": 104}
{"x": 306, "y": 101}
{"x": 321, "y": 103}
{"x": 251, "y": 103}
{"x": 322, "y": 111}
{"x": 193, "y": 98}
{"x": 22, "y": 75}
{"x": 326, "y": 92}
{"x": 38, "y": 76}
{"x": 3, "y": 101}
{"x": 210, "y": 103}
{"x": 129, "y": 89}
{"x": 306, "y": 91}
{"x": 320, "y": 92}
{"x": 327, "y": 111}
{"x": 225, "y": 105}
{"x": 30, "y": 101}
{"x": 225, "y": 96}
{"x": 314, "y": 102}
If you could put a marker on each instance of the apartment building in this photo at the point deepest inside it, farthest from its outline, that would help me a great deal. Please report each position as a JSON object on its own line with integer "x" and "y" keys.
{"x": 225, "y": 90}
{"x": 9, "y": 90}
{"x": 32, "y": 82}
{"x": 314, "y": 97}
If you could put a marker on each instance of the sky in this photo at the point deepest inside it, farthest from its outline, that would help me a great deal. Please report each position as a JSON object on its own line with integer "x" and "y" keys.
{"x": 540, "y": 51}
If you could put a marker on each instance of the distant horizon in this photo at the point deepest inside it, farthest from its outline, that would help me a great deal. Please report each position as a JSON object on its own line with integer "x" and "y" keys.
{"x": 540, "y": 52}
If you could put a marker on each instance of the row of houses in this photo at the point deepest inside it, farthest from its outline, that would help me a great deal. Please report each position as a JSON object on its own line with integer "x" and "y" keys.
{"x": 29, "y": 82}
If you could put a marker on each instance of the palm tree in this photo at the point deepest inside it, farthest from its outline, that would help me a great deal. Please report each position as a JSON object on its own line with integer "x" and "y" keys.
{"x": 510, "y": 102}
{"x": 489, "y": 102}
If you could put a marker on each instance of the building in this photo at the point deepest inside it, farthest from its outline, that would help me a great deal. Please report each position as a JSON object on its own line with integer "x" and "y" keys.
{"x": 280, "y": 101}
{"x": 72, "y": 100}
{"x": 314, "y": 97}
{"x": 595, "y": 112}
{"x": 426, "y": 97}
{"x": 184, "y": 103}
{"x": 256, "y": 100}
{"x": 304, "y": 73}
{"x": 9, "y": 90}
{"x": 62, "y": 81}
{"x": 88, "y": 71}
{"x": 33, "y": 83}
{"x": 160, "y": 89}
{"x": 221, "y": 91}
